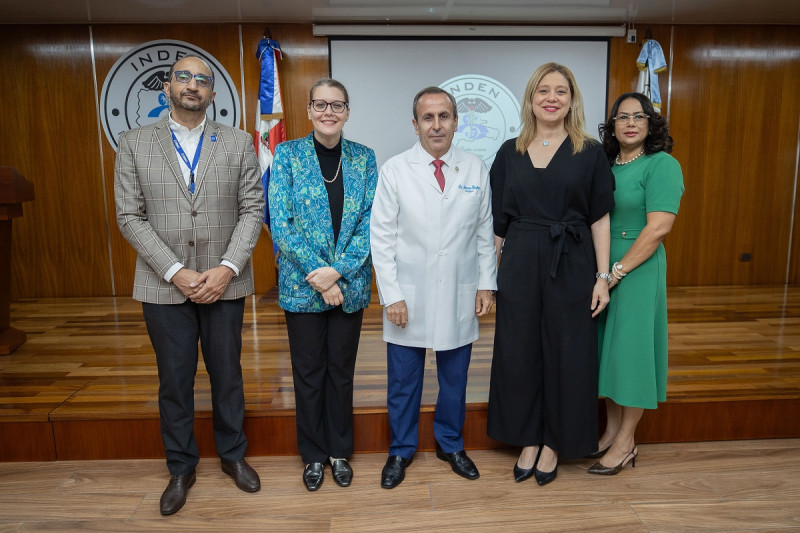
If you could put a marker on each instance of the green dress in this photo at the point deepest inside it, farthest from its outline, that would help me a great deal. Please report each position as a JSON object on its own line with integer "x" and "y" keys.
{"x": 633, "y": 329}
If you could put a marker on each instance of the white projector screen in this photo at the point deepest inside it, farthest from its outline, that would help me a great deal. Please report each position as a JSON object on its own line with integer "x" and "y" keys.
{"x": 487, "y": 78}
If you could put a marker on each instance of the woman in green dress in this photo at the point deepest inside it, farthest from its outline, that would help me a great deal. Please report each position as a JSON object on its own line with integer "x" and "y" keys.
{"x": 633, "y": 329}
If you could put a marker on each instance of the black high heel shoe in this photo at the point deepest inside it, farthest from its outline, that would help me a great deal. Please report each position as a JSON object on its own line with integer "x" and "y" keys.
{"x": 521, "y": 474}
{"x": 600, "y": 469}
{"x": 599, "y": 453}
{"x": 543, "y": 478}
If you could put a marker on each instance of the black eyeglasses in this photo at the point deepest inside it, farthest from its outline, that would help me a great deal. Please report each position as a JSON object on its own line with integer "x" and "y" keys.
{"x": 638, "y": 118}
{"x": 184, "y": 76}
{"x": 337, "y": 106}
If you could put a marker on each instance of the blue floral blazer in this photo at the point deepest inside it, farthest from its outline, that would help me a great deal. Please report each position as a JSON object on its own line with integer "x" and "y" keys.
{"x": 300, "y": 221}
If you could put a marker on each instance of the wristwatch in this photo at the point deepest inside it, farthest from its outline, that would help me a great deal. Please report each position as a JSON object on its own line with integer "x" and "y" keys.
{"x": 603, "y": 275}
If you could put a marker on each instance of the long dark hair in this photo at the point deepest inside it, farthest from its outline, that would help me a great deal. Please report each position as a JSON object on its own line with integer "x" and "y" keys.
{"x": 658, "y": 138}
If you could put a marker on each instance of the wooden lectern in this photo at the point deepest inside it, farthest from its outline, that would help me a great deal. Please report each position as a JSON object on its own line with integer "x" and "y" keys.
{"x": 14, "y": 189}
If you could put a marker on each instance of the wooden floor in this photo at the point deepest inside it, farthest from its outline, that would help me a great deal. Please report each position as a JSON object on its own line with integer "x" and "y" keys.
{"x": 732, "y": 486}
{"x": 85, "y": 383}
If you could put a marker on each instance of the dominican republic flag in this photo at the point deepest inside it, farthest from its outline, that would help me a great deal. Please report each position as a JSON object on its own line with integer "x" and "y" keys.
{"x": 270, "y": 124}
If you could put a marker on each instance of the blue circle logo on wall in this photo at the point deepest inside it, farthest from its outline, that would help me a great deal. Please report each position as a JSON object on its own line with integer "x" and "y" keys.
{"x": 488, "y": 114}
{"x": 132, "y": 94}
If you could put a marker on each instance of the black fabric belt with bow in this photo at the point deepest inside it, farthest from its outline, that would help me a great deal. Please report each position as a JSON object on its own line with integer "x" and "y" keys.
{"x": 558, "y": 232}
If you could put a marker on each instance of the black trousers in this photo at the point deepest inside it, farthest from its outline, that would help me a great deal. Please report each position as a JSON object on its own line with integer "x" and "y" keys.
{"x": 323, "y": 348}
{"x": 174, "y": 332}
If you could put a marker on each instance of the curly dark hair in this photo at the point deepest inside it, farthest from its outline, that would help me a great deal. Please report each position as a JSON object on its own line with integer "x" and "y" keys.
{"x": 658, "y": 138}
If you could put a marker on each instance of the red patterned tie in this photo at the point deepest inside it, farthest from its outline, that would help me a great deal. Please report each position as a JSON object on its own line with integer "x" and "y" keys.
{"x": 438, "y": 174}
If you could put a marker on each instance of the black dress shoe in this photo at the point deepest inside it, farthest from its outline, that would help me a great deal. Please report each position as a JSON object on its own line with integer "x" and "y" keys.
{"x": 243, "y": 475}
{"x": 521, "y": 474}
{"x": 174, "y": 495}
{"x": 394, "y": 471}
{"x": 342, "y": 472}
{"x": 313, "y": 476}
{"x": 460, "y": 463}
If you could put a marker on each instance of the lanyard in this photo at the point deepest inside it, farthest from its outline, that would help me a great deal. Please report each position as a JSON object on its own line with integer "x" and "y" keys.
{"x": 193, "y": 165}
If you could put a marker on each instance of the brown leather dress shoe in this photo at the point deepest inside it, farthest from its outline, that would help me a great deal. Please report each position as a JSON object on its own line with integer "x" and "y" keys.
{"x": 243, "y": 475}
{"x": 174, "y": 495}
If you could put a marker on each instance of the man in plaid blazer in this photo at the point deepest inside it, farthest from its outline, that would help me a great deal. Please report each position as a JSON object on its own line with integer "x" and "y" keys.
{"x": 190, "y": 201}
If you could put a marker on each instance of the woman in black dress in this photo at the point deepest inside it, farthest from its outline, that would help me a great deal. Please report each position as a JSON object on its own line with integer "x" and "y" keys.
{"x": 552, "y": 191}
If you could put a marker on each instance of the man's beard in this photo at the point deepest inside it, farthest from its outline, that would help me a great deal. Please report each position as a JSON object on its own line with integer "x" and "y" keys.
{"x": 191, "y": 105}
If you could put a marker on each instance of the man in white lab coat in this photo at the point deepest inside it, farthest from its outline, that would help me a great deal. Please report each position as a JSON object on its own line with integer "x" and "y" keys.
{"x": 434, "y": 258}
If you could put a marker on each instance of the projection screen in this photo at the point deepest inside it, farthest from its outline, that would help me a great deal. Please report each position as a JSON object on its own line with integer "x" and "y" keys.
{"x": 487, "y": 78}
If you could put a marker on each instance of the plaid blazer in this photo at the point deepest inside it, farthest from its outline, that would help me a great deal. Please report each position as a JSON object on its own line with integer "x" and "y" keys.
{"x": 166, "y": 224}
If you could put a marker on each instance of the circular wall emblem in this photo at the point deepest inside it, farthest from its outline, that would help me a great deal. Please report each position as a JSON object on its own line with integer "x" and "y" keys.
{"x": 488, "y": 114}
{"x": 132, "y": 93}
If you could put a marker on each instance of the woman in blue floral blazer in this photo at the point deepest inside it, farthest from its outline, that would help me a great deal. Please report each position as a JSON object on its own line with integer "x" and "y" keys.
{"x": 320, "y": 198}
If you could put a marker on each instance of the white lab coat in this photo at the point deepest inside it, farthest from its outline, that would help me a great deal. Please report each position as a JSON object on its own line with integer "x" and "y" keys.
{"x": 433, "y": 249}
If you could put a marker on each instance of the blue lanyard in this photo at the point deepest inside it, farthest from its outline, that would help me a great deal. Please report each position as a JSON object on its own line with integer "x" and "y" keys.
{"x": 185, "y": 158}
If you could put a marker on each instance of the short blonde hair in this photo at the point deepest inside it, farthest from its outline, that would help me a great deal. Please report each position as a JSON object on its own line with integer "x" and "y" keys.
{"x": 575, "y": 120}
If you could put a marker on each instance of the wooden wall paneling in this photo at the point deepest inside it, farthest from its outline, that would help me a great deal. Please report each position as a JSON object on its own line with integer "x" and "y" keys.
{"x": 734, "y": 119}
{"x": 622, "y": 72}
{"x": 28, "y": 441}
{"x": 305, "y": 60}
{"x": 735, "y": 129}
{"x": 49, "y": 133}
{"x": 712, "y": 420}
{"x": 768, "y": 168}
{"x": 113, "y": 41}
{"x": 794, "y": 254}
{"x": 697, "y": 246}
{"x": 274, "y": 432}
{"x": 766, "y": 112}
{"x": 794, "y": 245}
{"x": 77, "y": 440}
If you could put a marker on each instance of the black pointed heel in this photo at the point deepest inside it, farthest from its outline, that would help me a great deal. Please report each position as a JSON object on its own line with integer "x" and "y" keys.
{"x": 543, "y": 478}
{"x": 599, "y": 453}
{"x": 600, "y": 469}
{"x": 521, "y": 474}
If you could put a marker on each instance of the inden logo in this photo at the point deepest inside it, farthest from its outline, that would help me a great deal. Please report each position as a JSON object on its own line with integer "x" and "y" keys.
{"x": 133, "y": 93}
{"x": 488, "y": 114}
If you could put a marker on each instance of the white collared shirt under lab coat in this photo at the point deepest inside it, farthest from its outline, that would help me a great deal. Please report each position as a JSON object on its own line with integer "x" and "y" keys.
{"x": 433, "y": 249}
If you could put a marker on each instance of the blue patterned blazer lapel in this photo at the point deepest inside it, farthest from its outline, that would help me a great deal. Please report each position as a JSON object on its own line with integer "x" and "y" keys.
{"x": 353, "y": 192}
{"x": 312, "y": 177}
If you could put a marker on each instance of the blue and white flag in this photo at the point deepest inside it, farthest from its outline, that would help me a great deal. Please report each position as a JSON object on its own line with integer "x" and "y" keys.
{"x": 270, "y": 124}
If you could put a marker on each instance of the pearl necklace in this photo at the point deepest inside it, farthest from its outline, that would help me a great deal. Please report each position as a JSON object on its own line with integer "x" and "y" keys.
{"x": 617, "y": 161}
{"x": 338, "y": 168}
